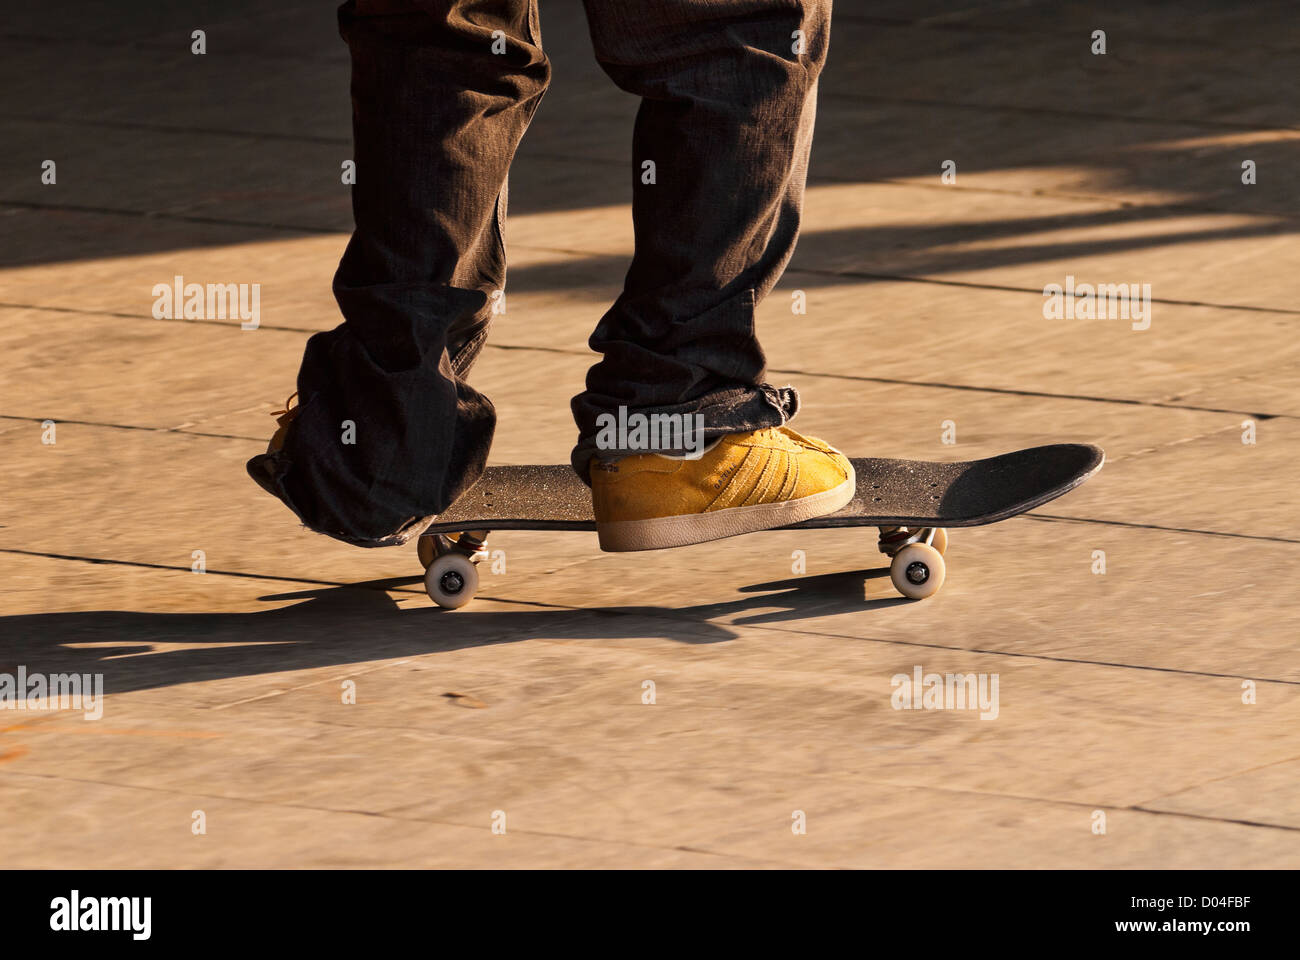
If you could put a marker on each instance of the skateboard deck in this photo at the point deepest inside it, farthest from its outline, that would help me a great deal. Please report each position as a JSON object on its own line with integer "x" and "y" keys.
{"x": 913, "y": 501}
{"x": 961, "y": 493}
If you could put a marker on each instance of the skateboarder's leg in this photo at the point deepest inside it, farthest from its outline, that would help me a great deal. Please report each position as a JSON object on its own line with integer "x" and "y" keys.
{"x": 388, "y": 432}
{"x": 720, "y": 154}
{"x": 720, "y": 149}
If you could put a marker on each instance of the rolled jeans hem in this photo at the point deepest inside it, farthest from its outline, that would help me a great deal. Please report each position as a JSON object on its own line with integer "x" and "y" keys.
{"x": 725, "y": 412}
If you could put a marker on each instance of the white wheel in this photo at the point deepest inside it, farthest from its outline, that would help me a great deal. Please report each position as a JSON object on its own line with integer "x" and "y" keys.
{"x": 917, "y": 571}
{"x": 940, "y": 541}
{"x": 451, "y": 580}
{"x": 424, "y": 550}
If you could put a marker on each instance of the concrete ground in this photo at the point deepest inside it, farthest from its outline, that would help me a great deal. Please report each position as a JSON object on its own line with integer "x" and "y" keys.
{"x": 1148, "y": 715}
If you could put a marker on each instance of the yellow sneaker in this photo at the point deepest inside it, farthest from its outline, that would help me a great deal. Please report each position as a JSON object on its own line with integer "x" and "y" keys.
{"x": 743, "y": 482}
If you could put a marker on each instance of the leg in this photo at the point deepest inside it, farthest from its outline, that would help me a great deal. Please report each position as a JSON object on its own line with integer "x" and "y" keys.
{"x": 442, "y": 91}
{"x": 729, "y": 93}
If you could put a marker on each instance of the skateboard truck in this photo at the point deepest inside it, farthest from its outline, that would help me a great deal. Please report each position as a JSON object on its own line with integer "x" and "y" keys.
{"x": 451, "y": 560}
{"x": 451, "y": 565}
{"x": 915, "y": 554}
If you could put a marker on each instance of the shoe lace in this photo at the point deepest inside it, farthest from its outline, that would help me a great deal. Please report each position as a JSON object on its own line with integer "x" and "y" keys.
{"x": 282, "y": 417}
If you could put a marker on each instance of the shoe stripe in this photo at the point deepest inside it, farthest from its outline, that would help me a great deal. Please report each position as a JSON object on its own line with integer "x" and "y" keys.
{"x": 792, "y": 480}
{"x": 780, "y": 477}
{"x": 778, "y": 467}
{"x": 742, "y": 485}
{"x": 726, "y": 494}
{"x": 763, "y": 468}
{"x": 763, "y": 485}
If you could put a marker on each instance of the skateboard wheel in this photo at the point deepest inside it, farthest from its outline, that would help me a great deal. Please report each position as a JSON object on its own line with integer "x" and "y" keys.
{"x": 451, "y": 580}
{"x": 424, "y": 550}
{"x": 940, "y": 541}
{"x": 917, "y": 571}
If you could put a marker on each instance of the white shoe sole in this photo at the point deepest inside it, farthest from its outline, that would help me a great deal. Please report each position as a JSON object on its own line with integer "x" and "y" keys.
{"x": 622, "y": 536}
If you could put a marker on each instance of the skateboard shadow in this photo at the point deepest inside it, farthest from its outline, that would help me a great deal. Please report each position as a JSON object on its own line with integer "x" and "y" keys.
{"x": 377, "y": 620}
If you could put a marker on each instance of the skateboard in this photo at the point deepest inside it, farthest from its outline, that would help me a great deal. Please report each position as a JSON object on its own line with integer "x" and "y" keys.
{"x": 913, "y": 502}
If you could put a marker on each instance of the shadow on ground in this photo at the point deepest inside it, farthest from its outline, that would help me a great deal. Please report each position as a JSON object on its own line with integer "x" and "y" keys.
{"x": 363, "y": 622}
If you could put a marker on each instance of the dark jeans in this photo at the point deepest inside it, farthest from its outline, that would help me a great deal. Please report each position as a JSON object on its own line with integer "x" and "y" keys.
{"x": 727, "y": 117}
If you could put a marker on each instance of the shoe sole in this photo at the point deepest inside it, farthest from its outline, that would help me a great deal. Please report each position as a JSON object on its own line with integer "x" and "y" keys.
{"x": 659, "y": 533}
